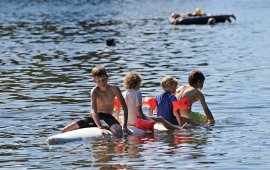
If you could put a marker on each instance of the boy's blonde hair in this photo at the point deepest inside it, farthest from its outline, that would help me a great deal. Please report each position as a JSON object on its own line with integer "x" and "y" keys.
{"x": 168, "y": 81}
{"x": 99, "y": 71}
{"x": 132, "y": 80}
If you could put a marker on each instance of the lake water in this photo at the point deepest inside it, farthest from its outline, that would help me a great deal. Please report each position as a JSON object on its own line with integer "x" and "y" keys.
{"x": 47, "y": 50}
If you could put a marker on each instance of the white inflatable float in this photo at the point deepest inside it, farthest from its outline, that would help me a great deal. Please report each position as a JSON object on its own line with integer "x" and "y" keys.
{"x": 93, "y": 133}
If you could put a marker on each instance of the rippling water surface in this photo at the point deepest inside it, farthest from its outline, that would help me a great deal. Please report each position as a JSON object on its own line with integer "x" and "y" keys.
{"x": 47, "y": 49}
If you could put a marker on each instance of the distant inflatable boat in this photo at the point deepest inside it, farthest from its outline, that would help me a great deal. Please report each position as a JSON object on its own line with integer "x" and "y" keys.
{"x": 178, "y": 19}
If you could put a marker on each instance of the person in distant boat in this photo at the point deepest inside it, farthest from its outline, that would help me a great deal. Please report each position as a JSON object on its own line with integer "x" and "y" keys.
{"x": 193, "y": 93}
{"x": 175, "y": 16}
{"x": 198, "y": 12}
{"x": 102, "y": 105}
{"x": 133, "y": 98}
{"x": 164, "y": 102}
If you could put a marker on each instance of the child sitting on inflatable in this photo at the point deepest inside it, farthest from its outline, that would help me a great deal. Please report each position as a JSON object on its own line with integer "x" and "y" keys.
{"x": 192, "y": 93}
{"x": 133, "y": 98}
{"x": 102, "y": 105}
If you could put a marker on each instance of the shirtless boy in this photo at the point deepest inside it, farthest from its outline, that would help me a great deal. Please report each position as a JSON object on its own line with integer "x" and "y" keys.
{"x": 102, "y": 106}
{"x": 193, "y": 93}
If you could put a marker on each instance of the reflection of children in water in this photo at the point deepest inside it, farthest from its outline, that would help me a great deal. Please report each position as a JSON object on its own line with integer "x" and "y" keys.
{"x": 125, "y": 153}
{"x": 195, "y": 142}
{"x": 113, "y": 152}
{"x": 182, "y": 139}
{"x": 132, "y": 147}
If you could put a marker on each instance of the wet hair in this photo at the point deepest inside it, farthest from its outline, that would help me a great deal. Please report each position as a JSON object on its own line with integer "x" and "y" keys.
{"x": 99, "y": 71}
{"x": 211, "y": 21}
{"x": 168, "y": 81}
{"x": 132, "y": 80}
{"x": 110, "y": 42}
{"x": 195, "y": 76}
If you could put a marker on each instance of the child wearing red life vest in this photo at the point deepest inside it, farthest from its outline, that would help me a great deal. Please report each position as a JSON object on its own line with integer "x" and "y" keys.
{"x": 192, "y": 92}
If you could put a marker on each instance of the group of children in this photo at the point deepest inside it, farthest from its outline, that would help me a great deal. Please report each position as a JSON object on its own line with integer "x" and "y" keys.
{"x": 170, "y": 113}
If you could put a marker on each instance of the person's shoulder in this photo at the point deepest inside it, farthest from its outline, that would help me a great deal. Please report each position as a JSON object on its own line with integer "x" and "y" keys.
{"x": 172, "y": 97}
{"x": 113, "y": 87}
{"x": 169, "y": 96}
{"x": 134, "y": 91}
{"x": 180, "y": 88}
{"x": 138, "y": 92}
{"x": 199, "y": 93}
{"x": 196, "y": 93}
{"x": 160, "y": 95}
{"x": 94, "y": 89}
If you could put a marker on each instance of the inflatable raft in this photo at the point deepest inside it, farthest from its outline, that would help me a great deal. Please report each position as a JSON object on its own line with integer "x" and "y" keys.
{"x": 93, "y": 133}
{"x": 180, "y": 19}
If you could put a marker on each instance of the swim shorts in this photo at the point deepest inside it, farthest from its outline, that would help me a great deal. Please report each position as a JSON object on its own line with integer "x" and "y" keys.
{"x": 89, "y": 121}
{"x": 198, "y": 117}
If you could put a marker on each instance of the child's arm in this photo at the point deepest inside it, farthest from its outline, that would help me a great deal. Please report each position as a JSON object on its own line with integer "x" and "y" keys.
{"x": 125, "y": 110}
{"x": 152, "y": 103}
{"x": 117, "y": 108}
{"x": 95, "y": 113}
{"x": 207, "y": 111}
{"x": 150, "y": 112}
{"x": 140, "y": 112}
{"x": 178, "y": 117}
{"x": 116, "y": 114}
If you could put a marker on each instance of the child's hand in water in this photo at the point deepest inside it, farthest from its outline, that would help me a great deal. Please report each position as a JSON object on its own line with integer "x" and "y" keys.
{"x": 126, "y": 132}
{"x": 186, "y": 126}
{"x": 105, "y": 132}
{"x": 211, "y": 122}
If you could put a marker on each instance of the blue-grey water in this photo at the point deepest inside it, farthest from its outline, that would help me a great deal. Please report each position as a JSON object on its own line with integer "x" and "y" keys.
{"x": 47, "y": 50}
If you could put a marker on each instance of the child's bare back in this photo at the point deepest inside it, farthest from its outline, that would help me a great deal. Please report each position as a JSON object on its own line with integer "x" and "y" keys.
{"x": 192, "y": 91}
{"x": 189, "y": 92}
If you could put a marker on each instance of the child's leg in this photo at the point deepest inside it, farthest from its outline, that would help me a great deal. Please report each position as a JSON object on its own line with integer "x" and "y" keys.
{"x": 70, "y": 127}
{"x": 165, "y": 123}
{"x": 116, "y": 114}
{"x": 188, "y": 120}
{"x": 82, "y": 123}
{"x": 150, "y": 112}
{"x": 116, "y": 129}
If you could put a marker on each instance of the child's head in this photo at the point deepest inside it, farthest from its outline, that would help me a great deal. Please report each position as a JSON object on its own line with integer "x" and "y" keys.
{"x": 169, "y": 84}
{"x": 195, "y": 77}
{"x": 175, "y": 16}
{"x": 99, "y": 72}
{"x": 110, "y": 42}
{"x": 198, "y": 11}
{"x": 132, "y": 80}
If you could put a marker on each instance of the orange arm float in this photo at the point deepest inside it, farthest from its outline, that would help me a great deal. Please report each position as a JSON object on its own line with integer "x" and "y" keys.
{"x": 181, "y": 104}
{"x": 151, "y": 102}
{"x": 145, "y": 124}
{"x": 117, "y": 103}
